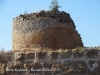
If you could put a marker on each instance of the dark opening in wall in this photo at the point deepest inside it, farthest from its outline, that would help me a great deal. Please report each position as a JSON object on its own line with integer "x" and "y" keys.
{"x": 54, "y": 55}
{"x": 41, "y": 55}
{"x": 78, "y": 54}
{"x": 92, "y": 53}
{"x": 60, "y": 21}
{"x": 30, "y": 55}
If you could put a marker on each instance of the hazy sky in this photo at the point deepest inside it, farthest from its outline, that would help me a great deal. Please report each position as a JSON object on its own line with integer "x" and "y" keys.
{"x": 85, "y": 13}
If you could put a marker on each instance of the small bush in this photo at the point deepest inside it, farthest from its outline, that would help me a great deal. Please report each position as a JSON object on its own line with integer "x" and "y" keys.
{"x": 54, "y": 7}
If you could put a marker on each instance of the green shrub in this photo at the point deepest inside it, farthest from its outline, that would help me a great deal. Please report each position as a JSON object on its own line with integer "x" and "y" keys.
{"x": 54, "y": 6}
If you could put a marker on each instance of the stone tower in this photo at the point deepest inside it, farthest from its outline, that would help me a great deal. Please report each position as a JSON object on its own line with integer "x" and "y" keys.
{"x": 44, "y": 30}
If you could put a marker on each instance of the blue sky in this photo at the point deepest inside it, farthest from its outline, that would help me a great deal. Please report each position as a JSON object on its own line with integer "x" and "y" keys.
{"x": 85, "y": 13}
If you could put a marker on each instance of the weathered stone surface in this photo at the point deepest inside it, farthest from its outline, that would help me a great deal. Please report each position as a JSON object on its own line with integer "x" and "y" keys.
{"x": 93, "y": 67}
{"x": 2, "y": 71}
{"x": 41, "y": 55}
{"x": 66, "y": 54}
{"x": 92, "y": 53}
{"x": 37, "y": 65}
{"x": 53, "y": 55}
{"x": 56, "y": 68}
{"x": 45, "y": 31}
{"x": 44, "y": 41}
{"x": 28, "y": 65}
{"x": 54, "y": 63}
{"x": 20, "y": 56}
{"x": 13, "y": 65}
{"x": 30, "y": 55}
{"x": 74, "y": 67}
{"x": 78, "y": 53}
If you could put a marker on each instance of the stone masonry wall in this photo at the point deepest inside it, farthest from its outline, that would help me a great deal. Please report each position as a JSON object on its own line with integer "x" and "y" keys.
{"x": 66, "y": 62}
{"x": 32, "y": 31}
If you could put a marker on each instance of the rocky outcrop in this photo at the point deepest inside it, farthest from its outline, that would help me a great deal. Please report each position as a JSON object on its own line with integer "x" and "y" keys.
{"x": 44, "y": 30}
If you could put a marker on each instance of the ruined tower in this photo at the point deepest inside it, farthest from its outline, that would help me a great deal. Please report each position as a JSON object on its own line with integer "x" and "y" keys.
{"x": 43, "y": 45}
{"x": 44, "y": 30}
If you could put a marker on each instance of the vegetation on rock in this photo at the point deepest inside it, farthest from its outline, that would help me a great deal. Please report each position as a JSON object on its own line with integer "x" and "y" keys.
{"x": 54, "y": 6}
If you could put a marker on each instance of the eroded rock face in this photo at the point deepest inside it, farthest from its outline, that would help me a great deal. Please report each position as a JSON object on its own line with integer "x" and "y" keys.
{"x": 44, "y": 31}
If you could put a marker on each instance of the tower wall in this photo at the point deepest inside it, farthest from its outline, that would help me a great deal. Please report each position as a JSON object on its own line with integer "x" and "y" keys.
{"x": 44, "y": 32}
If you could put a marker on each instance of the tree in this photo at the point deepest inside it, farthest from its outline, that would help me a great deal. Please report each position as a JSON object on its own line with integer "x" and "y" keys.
{"x": 54, "y": 6}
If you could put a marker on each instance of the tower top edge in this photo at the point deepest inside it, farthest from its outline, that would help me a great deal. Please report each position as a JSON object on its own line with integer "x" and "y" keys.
{"x": 43, "y": 14}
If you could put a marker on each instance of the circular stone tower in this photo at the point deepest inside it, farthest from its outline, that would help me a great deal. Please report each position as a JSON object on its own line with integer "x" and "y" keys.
{"x": 44, "y": 30}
